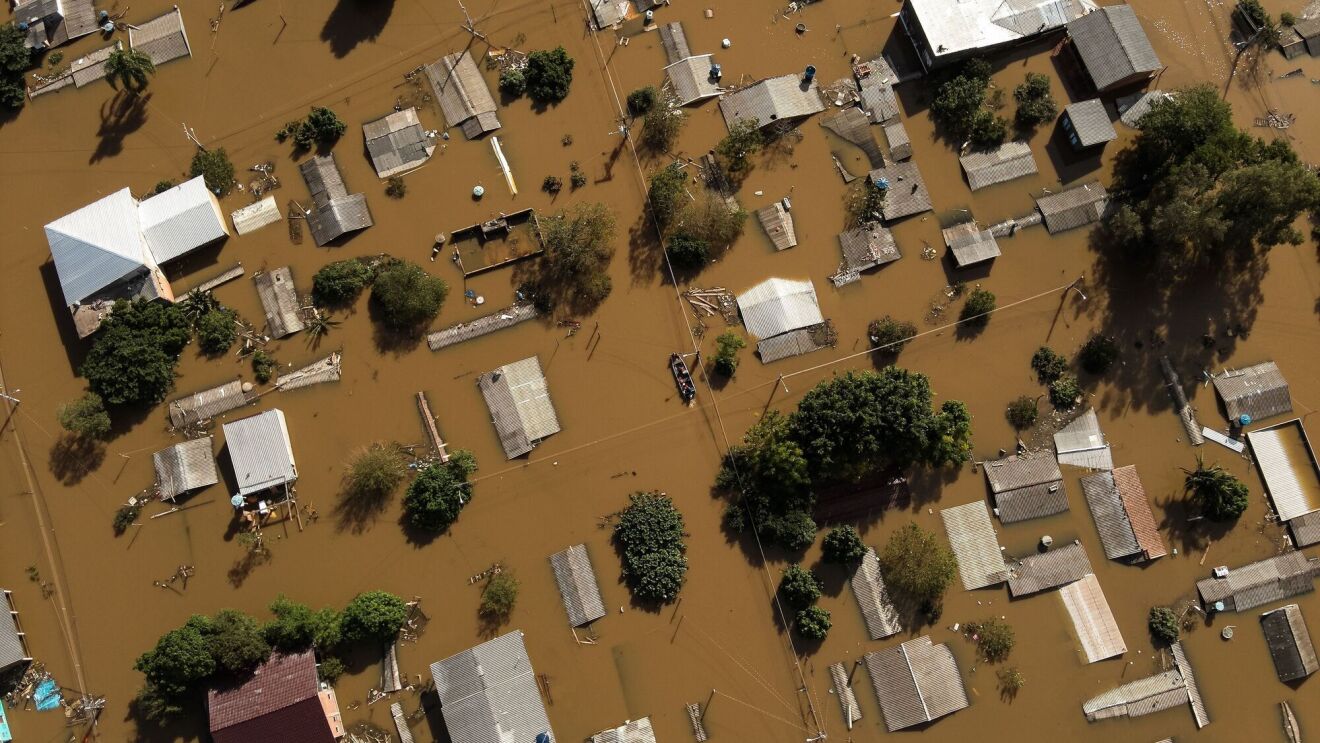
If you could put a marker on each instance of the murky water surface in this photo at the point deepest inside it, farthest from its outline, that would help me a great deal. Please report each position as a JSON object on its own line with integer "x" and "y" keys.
{"x": 623, "y": 428}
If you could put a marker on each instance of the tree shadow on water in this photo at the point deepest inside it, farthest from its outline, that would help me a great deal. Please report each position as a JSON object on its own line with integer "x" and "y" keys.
{"x": 355, "y": 512}
{"x": 122, "y": 115}
{"x": 72, "y": 458}
{"x": 353, "y": 22}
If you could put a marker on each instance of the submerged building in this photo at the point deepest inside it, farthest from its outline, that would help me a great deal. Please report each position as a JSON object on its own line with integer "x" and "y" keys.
{"x": 488, "y": 694}
{"x": 947, "y": 31}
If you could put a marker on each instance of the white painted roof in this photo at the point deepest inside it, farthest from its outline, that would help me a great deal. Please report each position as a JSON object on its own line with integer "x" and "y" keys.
{"x": 952, "y": 26}
{"x": 260, "y": 451}
{"x": 97, "y": 245}
{"x": 180, "y": 220}
{"x": 777, "y": 306}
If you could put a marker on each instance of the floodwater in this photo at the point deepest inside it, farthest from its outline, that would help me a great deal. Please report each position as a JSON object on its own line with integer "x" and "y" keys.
{"x": 623, "y": 426}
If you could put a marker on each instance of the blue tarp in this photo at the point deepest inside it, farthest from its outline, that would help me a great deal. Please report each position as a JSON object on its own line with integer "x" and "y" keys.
{"x": 47, "y": 696}
{"x": 5, "y": 735}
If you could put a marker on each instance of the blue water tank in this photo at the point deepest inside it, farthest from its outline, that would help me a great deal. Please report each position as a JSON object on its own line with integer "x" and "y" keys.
{"x": 716, "y": 71}
{"x": 810, "y": 73}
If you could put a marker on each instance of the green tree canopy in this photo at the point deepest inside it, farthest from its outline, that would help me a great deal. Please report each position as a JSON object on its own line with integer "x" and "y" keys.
{"x": 642, "y": 100}
{"x": 1163, "y": 625}
{"x": 440, "y": 491}
{"x": 513, "y": 82}
{"x": 130, "y": 68}
{"x": 813, "y": 623}
{"x": 578, "y": 248}
{"x": 1098, "y": 353}
{"x": 15, "y": 59}
{"x": 296, "y": 627}
{"x": 649, "y": 534}
{"x": 994, "y": 639}
{"x": 181, "y": 659}
{"x": 774, "y": 474}
{"x": 338, "y": 284}
{"x": 1048, "y": 365}
{"x": 407, "y": 295}
{"x": 236, "y": 642}
{"x": 1035, "y": 105}
{"x": 215, "y": 168}
{"x": 322, "y": 126}
{"x": 687, "y": 252}
{"x": 799, "y": 587}
{"x": 1065, "y": 391}
{"x": 499, "y": 597}
{"x": 374, "y": 616}
{"x": 843, "y": 546}
{"x": 85, "y": 417}
{"x": 734, "y": 152}
{"x": 661, "y": 126}
{"x": 549, "y": 75}
{"x": 976, "y": 310}
{"x": 375, "y": 472}
{"x": 1022, "y": 412}
{"x": 916, "y": 564}
{"x": 1220, "y": 495}
{"x": 666, "y": 195}
{"x": 727, "y": 346}
{"x": 134, "y": 354}
{"x": 216, "y": 331}
{"x": 890, "y": 335}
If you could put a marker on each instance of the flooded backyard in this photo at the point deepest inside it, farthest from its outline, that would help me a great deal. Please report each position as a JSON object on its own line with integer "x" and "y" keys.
{"x": 624, "y": 427}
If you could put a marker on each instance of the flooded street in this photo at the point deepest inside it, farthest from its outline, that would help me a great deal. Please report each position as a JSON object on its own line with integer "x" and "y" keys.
{"x": 623, "y": 427}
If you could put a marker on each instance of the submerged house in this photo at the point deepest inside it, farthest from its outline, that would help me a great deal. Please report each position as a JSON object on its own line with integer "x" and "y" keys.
{"x": 1027, "y": 486}
{"x": 207, "y": 404}
{"x": 632, "y": 731}
{"x": 261, "y": 453}
{"x": 1008, "y": 161}
{"x": 1046, "y": 570}
{"x": 1288, "y": 466}
{"x": 577, "y": 585}
{"x": 784, "y": 315}
{"x": 463, "y": 94}
{"x": 693, "y": 78}
{"x": 282, "y": 701}
{"x": 335, "y": 212}
{"x": 772, "y": 100}
{"x": 1074, "y": 207}
{"x": 1273, "y": 579}
{"x": 163, "y": 38}
{"x": 488, "y": 694}
{"x": 1289, "y": 642}
{"x": 864, "y": 247}
{"x": 1122, "y": 515}
{"x": 969, "y": 244}
{"x": 1081, "y": 443}
{"x": 1087, "y": 124}
{"x": 279, "y": 300}
{"x": 114, "y": 247}
{"x": 50, "y": 23}
{"x": 972, "y": 537}
{"x": 905, "y": 190}
{"x": 14, "y": 655}
{"x": 1113, "y": 48}
{"x": 1253, "y": 393}
{"x": 185, "y": 467}
{"x": 397, "y": 143}
{"x": 1157, "y": 693}
{"x": 944, "y": 32}
{"x": 1092, "y": 620}
{"x": 916, "y": 682}
{"x": 520, "y": 407}
{"x": 878, "y": 610}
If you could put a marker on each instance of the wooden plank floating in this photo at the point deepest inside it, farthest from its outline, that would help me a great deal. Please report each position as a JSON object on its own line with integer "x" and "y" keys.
{"x": 698, "y": 727}
{"x": 466, "y": 331}
{"x": 1185, "y": 411}
{"x": 389, "y": 670}
{"x": 223, "y": 278}
{"x": 428, "y": 422}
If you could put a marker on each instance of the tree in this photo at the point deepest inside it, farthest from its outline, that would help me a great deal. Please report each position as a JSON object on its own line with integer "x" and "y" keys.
{"x": 1021, "y": 413}
{"x": 216, "y": 331}
{"x": 216, "y": 170}
{"x": 339, "y": 283}
{"x": 374, "y": 616}
{"x": 1163, "y": 624}
{"x": 129, "y": 67}
{"x": 812, "y": 623}
{"x": 986, "y": 130}
{"x": 733, "y": 152}
{"x": 1048, "y": 365}
{"x": 861, "y": 422}
{"x": 688, "y": 252}
{"x": 549, "y": 75}
{"x": 890, "y": 335}
{"x": 976, "y": 310}
{"x": 236, "y": 642}
{"x": 263, "y": 366}
{"x": 957, "y": 105}
{"x": 916, "y": 564}
{"x": 178, "y": 664}
{"x": 1220, "y": 495}
{"x": 799, "y": 587}
{"x": 642, "y": 100}
{"x": 85, "y": 417}
{"x": 375, "y": 472}
{"x": 1287, "y": 19}
{"x": 15, "y": 59}
{"x": 330, "y": 669}
{"x": 1098, "y": 354}
{"x": 408, "y": 296}
{"x": 1065, "y": 391}
{"x": 661, "y": 127}
{"x": 133, "y": 357}
{"x": 512, "y": 82}
{"x": 795, "y": 530}
{"x": 843, "y": 546}
{"x": 125, "y": 515}
{"x": 439, "y": 493}
{"x": 727, "y": 345}
{"x": 666, "y": 195}
{"x": 1035, "y": 105}
{"x": 649, "y": 534}
{"x": 770, "y": 469}
{"x": 396, "y": 187}
{"x": 864, "y": 204}
{"x": 296, "y": 627}
{"x": 994, "y": 638}
{"x": 710, "y": 218}
{"x": 322, "y": 126}
{"x": 577, "y": 254}
{"x": 1011, "y": 681}
{"x": 162, "y": 186}
{"x": 499, "y": 597}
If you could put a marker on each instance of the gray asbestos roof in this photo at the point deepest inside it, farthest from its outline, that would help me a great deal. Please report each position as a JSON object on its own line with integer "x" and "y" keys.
{"x": 1259, "y": 391}
{"x": 280, "y": 301}
{"x": 162, "y": 38}
{"x": 691, "y": 80}
{"x": 972, "y": 537}
{"x": 777, "y": 306}
{"x": 609, "y": 12}
{"x": 674, "y": 40}
{"x": 906, "y": 192}
{"x": 1289, "y": 642}
{"x": 54, "y": 22}
{"x": 207, "y": 404}
{"x": 577, "y": 585}
{"x": 970, "y": 244}
{"x": 260, "y": 451}
{"x": 185, "y": 467}
{"x": 1273, "y": 579}
{"x": 397, "y": 143}
{"x": 1091, "y": 122}
{"x": 778, "y": 224}
{"x": 335, "y": 212}
{"x": 793, "y": 343}
{"x": 868, "y": 246}
{"x": 916, "y": 682}
{"x": 13, "y": 648}
{"x": 1082, "y": 444}
{"x": 1113, "y": 45}
{"x": 1305, "y": 529}
{"x": 1287, "y": 464}
{"x": 488, "y": 694}
{"x": 1122, "y": 514}
{"x": 462, "y": 93}
{"x": 1075, "y": 207}
{"x": 1131, "y": 108}
{"x": 632, "y": 731}
{"x": 1006, "y": 162}
{"x": 900, "y": 145}
{"x": 1046, "y": 570}
{"x": 1157, "y": 693}
{"x": 1026, "y": 487}
{"x": 774, "y": 99}
{"x": 878, "y": 611}
{"x": 520, "y": 405}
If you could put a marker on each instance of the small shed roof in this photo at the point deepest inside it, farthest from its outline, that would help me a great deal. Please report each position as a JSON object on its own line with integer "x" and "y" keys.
{"x": 632, "y": 731}
{"x": 180, "y": 220}
{"x": 577, "y": 585}
{"x": 777, "y": 306}
{"x": 1092, "y": 619}
{"x": 900, "y": 145}
{"x": 463, "y": 93}
{"x": 55, "y": 22}
{"x": 280, "y": 701}
{"x": 1090, "y": 121}
{"x": 162, "y": 38}
{"x": 1113, "y": 46}
{"x": 1289, "y": 642}
{"x": 1131, "y": 108}
{"x": 279, "y": 299}
{"x": 878, "y": 99}
{"x": 970, "y": 244}
{"x": 1006, "y": 162}
{"x": 397, "y": 143}
{"x": 905, "y": 189}
{"x": 13, "y": 646}
{"x": 1045, "y": 570}
{"x": 488, "y": 694}
{"x": 520, "y": 406}
{"x": 1026, "y": 487}
{"x": 1288, "y": 466}
{"x": 1262, "y": 582}
{"x": 916, "y": 682}
{"x": 868, "y": 246}
{"x": 868, "y": 587}
{"x": 336, "y": 212}
{"x": 1074, "y": 207}
{"x": 1136, "y": 510}
{"x": 691, "y": 79}
{"x": 972, "y": 537}
{"x": 674, "y": 40}
{"x": 1111, "y": 519}
{"x": 609, "y": 12}
{"x": 778, "y": 224}
{"x": 794, "y": 343}
{"x": 1137, "y": 698}
{"x": 185, "y": 467}
{"x": 256, "y": 215}
{"x": 771, "y": 100}
{"x": 1081, "y": 443}
{"x": 1305, "y": 529}
{"x": 207, "y": 404}
{"x": 1259, "y": 391}
{"x": 260, "y": 451}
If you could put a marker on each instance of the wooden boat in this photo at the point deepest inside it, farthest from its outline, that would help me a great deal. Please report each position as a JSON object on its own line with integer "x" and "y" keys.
{"x": 1290, "y": 727}
{"x": 682, "y": 377}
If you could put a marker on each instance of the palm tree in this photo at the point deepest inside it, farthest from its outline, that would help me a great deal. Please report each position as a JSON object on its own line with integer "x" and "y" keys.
{"x": 318, "y": 326}
{"x": 130, "y": 67}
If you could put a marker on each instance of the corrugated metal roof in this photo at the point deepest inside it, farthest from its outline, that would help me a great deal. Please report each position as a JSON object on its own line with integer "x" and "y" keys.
{"x": 1288, "y": 467}
{"x": 1259, "y": 391}
{"x": 609, "y": 12}
{"x": 1075, "y": 207}
{"x": 1082, "y": 444}
{"x": 632, "y": 731}
{"x": 900, "y": 146}
{"x": 1137, "y": 506}
{"x": 1289, "y": 642}
{"x": 1026, "y": 487}
{"x": 778, "y": 224}
{"x": 255, "y": 216}
{"x": 970, "y": 244}
{"x": 1136, "y": 698}
{"x": 1184, "y": 667}
{"x": 13, "y": 648}
{"x": 915, "y": 682}
{"x": 878, "y": 99}
{"x": 1261, "y": 582}
{"x": 279, "y": 299}
{"x": 771, "y": 100}
{"x": 97, "y": 245}
{"x": 488, "y": 694}
{"x": 972, "y": 537}
{"x": 674, "y": 41}
{"x": 1090, "y": 121}
{"x": 180, "y": 220}
{"x": 1006, "y": 162}
{"x": 955, "y": 27}
{"x": 185, "y": 467}
{"x": 397, "y": 143}
{"x": 462, "y": 92}
{"x": 852, "y": 125}
{"x": 1305, "y": 529}
{"x": 260, "y": 451}
{"x": 1046, "y": 570}
{"x": 339, "y": 217}
{"x": 328, "y": 369}
{"x": 275, "y": 686}
{"x": 577, "y": 585}
{"x": 323, "y": 179}
{"x": 55, "y": 22}
{"x": 793, "y": 343}
{"x": 1131, "y": 108}
{"x": 1092, "y": 619}
{"x": 777, "y": 306}
{"x": 844, "y": 693}
{"x": 905, "y": 192}
{"x": 868, "y": 587}
{"x": 691, "y": 79}
{"x": 1113, "y": 46}
{"x": 520, "y": 406}
{"x": 162, "y": 38}
{"x": 91, "y": 68}
{"x": 1111, "y": 519}
{"x": 868, "y": 246}
{"x": 207, "y": 404}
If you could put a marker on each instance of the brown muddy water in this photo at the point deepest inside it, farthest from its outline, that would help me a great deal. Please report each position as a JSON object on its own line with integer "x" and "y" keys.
{"x": 623, "y": 428}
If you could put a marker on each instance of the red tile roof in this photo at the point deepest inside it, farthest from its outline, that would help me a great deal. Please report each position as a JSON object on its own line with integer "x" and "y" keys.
{"x": 278, "y": 704}
{"x": 1138, "y": 510}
